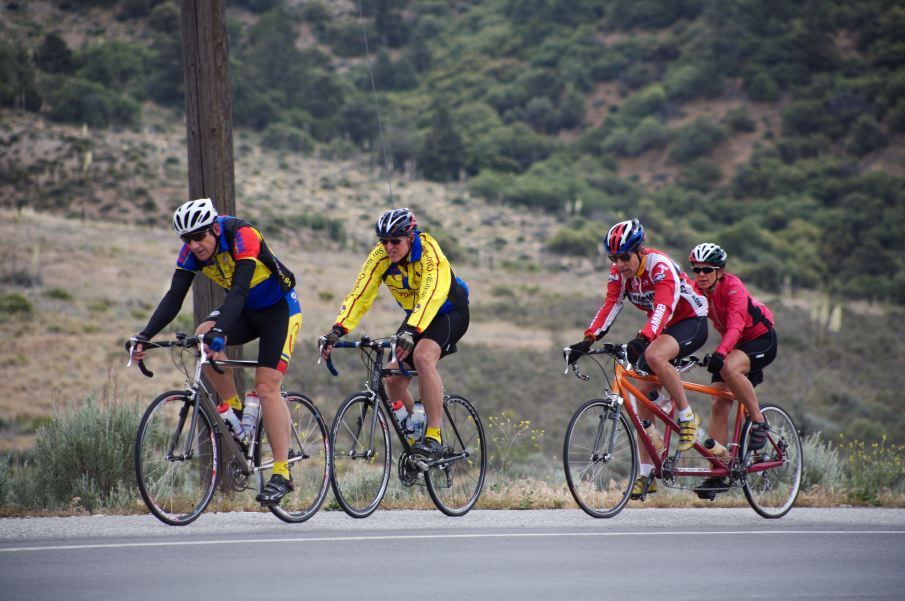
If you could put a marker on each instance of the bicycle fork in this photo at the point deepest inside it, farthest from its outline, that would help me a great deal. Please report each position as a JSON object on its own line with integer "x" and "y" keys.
{"x": 613, "y": 413}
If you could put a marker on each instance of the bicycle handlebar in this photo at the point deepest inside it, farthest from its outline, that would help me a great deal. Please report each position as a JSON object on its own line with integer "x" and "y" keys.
{"x": 182, "y": 341}
{"x": 618, "y": 352}
{"x": 364, "y": 342}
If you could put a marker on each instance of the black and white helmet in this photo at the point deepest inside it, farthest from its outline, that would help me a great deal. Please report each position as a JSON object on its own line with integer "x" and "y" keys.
{"x": 708, "y": 252}
{"x": 395, "y": 223}
{"x": 194, "y": 215}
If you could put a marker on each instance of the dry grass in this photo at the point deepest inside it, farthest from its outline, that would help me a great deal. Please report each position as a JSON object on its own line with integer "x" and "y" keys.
{"x": 116, "y": 273}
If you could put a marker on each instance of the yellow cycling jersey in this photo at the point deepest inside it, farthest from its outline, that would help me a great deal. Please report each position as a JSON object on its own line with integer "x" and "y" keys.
{"x": 421, "y": 286}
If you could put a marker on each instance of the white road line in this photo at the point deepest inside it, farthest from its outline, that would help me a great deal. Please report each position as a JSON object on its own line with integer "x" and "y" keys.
{"x": 404, "y": 537}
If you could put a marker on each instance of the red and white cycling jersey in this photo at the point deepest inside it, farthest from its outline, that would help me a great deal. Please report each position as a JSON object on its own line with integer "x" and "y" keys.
{"x": 659, "y": 289}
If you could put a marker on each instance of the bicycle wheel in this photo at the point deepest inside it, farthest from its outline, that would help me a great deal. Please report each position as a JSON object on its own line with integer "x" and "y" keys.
{"x": 361, "y": 455}
{"x": 600, "y": 476}
{"x": 455, "y": 486}
{"x": 772, "y": 492}
{"x": 309, "y": 461}
{"x": 176, "y": 485}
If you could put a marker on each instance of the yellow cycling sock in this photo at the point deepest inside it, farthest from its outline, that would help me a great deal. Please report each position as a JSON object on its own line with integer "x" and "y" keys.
{"x": 281, "y": 468}
{"x": 234, "y": 402}
{"x": 433, "y": 433}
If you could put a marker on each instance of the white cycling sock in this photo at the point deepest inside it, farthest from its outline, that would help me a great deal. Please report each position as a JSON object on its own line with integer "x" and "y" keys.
{"x": 646, "y": 469}
{"x": 686, "y": 414}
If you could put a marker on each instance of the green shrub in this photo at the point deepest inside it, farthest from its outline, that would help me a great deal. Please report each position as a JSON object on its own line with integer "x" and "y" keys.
{"x": 873, "y": 469}
{"x": 866, "y": 136}
{"x": 696, "y": 139}
{"x": 649, "y": 134}
{"x": 824, "y": 466}
{"x": 580, "y": 240}
{"x": 58, "y": 294}
{"x": 738, "y": 120}
{"x": 85, "y": 452}
{"x": 81, "y": 101}
{"x": 14, "y": 303}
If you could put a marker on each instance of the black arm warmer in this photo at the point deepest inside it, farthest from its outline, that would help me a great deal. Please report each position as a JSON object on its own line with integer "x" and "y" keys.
{"x": 235, "y": 299}
{"x": 170, "y": 304}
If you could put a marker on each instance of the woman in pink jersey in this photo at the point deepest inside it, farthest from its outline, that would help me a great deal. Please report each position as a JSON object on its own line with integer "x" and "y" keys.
{"x": 748, "y": 344}
{"x": 676, "y": 325}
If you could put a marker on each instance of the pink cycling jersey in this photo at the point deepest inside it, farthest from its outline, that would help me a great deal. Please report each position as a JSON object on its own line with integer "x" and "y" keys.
{"x": 735, "y": 314}
{"x": 659, "y": 289}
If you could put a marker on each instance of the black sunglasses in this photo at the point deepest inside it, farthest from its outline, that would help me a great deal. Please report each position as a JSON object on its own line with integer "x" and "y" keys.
{"x": 624, "y": 257}
{"x": 391, "y": 241}
{"x": 703, "y": 269}
{"x": 195, "y": 236}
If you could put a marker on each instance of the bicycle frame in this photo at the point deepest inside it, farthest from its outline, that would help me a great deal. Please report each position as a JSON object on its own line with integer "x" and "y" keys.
{"x": 625, "y": 387}
{"x": 376, "y": 388}
{"x": 197, "y": 393}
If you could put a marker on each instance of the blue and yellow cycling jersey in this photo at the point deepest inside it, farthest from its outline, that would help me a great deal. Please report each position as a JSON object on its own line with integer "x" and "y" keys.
{"x": 424, "y": 286}
{"x": 240, "y": 240}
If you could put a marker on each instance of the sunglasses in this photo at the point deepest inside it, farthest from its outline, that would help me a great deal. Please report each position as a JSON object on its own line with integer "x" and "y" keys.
{"x": 703, "y": 269}
{"x": 195, "y": 236}
{"x": 391, "y": 241}
{"x": 624, "y": 257}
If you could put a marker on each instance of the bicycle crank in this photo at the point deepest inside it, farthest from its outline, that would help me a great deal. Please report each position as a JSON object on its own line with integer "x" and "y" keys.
{"x": 408, "y": 470}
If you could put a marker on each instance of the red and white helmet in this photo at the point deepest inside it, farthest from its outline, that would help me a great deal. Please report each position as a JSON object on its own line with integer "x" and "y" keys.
{"x": 624, "y": 237}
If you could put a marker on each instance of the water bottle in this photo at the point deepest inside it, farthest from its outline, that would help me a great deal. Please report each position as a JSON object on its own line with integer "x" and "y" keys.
{"x": 418, "y": 423}
{"x": 232, "y": 422}
{"x": 654, "y": 434}
{"x": 250, "y": 415}
{"x": 662, "y": 401}
{"x": 721, "y": 452}
{"x": 400, "y": 412}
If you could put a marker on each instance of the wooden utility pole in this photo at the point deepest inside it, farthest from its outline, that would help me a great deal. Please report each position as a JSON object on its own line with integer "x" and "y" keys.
{"x": 209, "y": 134}
{"x": 208, "y": 121}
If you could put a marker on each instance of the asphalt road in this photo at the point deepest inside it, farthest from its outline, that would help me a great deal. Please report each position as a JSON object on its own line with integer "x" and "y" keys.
{"x": 675, "y": 554}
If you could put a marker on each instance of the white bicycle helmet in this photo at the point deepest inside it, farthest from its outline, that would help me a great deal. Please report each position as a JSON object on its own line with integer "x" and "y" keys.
{"x": 708, "y": 252}
{"x": 194, "y": 215}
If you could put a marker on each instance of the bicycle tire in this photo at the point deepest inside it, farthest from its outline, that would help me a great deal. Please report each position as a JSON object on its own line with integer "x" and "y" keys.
{"x": 309, "y": 461}
{"x": 772, "y": 493}
{"x": 176, "y": 490}
{"x": 601, "y": 485}
{"x": 361, "y": 458}
{"x": 455, "y": 486}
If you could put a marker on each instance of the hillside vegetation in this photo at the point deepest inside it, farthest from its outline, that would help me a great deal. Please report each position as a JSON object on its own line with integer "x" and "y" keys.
{"x": 518, "y": 130}
{"x": 773, "y": 127}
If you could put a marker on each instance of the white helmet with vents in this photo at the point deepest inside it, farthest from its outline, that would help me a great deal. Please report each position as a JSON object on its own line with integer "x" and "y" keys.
{"x": 194, "y": 215}
{"x": 708, "y": 252}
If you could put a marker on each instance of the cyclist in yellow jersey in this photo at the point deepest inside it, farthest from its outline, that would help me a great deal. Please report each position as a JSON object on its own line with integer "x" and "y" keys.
{"x": 435, "y": 301}
{"x": 261, "y": 303}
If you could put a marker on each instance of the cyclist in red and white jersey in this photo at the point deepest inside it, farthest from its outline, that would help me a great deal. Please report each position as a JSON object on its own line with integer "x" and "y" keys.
{"x": 676, "y": 325}
{"x": 748, "y": 345}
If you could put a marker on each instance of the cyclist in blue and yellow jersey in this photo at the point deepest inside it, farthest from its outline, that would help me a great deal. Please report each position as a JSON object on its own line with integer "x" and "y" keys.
{"x": 435, "y": 301}
{"x": 261, "y": 303}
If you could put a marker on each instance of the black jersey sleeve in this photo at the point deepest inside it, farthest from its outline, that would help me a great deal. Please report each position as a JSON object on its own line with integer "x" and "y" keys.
{"x": 235, "y": 299}
{"x": 170, "y": 304}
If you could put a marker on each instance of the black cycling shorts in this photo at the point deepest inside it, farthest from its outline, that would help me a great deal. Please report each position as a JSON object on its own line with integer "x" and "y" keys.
{"x": 277, "y": 328}
{"x": 691, "y": 334}
{"x": 446, "y": 330}
{"x": 761, "y": 352}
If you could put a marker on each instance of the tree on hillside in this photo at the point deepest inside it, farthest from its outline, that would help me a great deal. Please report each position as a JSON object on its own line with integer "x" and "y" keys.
{"x": 441, "y": 155}
{"x": 54, "y": 56}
